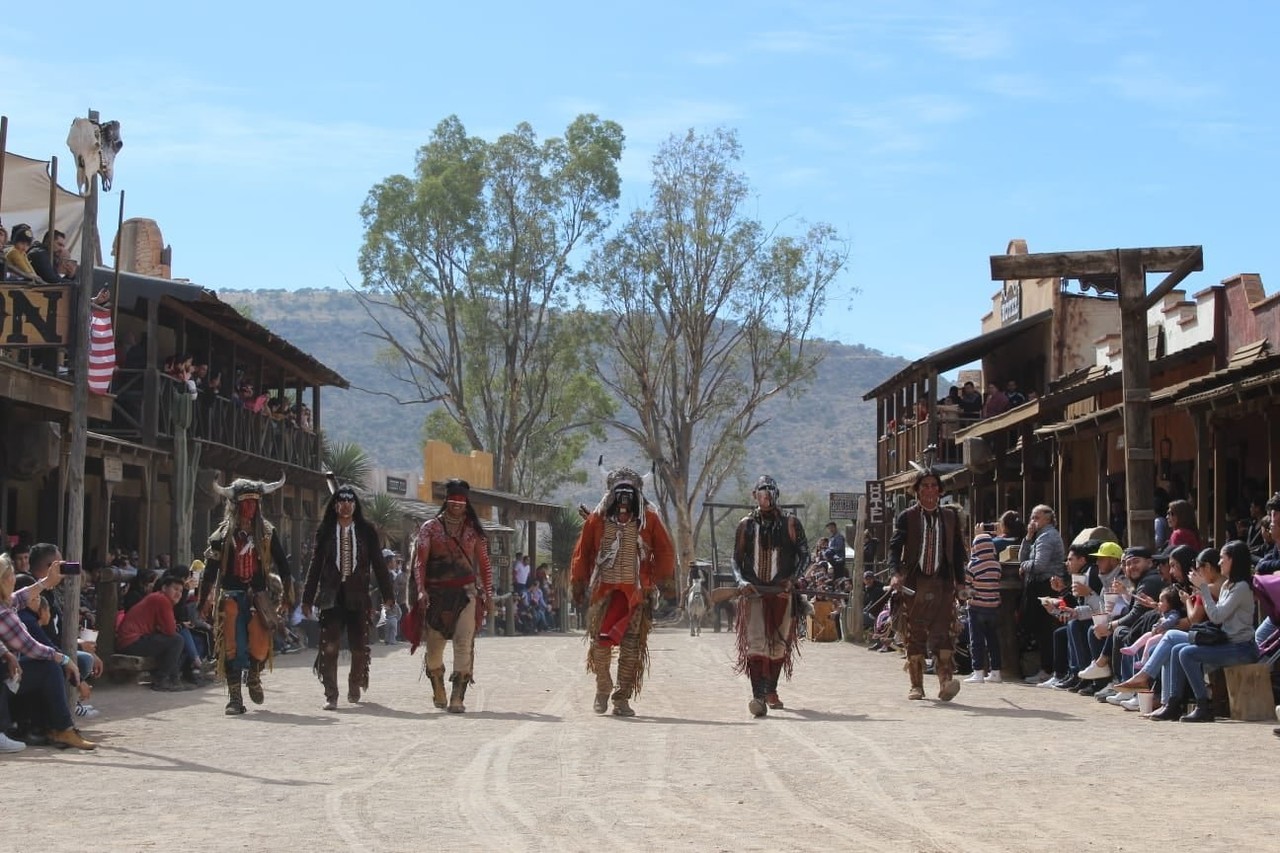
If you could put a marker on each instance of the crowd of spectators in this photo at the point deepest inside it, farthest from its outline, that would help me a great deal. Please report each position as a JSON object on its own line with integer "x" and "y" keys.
{"x": 43, "y": 262}
{"x": 1133, "y": 627}
{"x": 965, "y": 403}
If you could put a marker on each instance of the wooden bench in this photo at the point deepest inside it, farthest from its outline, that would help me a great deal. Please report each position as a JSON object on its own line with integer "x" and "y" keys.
{"x": 1249, "y": 695}
{"x": 121, "y": 667}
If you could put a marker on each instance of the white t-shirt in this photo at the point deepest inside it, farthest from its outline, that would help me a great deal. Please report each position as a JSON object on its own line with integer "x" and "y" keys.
{"x": 521, "y": 570}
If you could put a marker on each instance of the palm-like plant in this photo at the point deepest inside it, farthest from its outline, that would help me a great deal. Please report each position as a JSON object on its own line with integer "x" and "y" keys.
{"x": 349, "y": 463}
{"x": 384, "y": 512}
{"x": 560, "y": 535}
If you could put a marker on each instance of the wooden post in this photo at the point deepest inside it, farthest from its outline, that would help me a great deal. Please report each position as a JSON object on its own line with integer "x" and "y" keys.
{"x": 1204, "y": 487}
{"x": 1136, "y": 378}
{"x": 1102, "y": 502}
{"x": 73, "y": 543}
{"x": 853, "y": 632}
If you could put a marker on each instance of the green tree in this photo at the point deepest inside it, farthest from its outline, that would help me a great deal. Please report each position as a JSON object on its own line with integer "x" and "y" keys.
{"x": 477, "y": 250}
{"x": 348, "y": 462}
{"x": 711, "y": 312}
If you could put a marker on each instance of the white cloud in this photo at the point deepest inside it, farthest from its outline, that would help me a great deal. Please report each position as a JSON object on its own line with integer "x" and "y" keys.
{"x": 1140, "y": 77}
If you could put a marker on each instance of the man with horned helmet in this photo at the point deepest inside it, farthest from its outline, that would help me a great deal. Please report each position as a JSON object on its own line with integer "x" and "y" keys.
{"x": 454, "y": 582}
{"x": 770, "y": 553}
{"x": 345, "y": 559}
{"x": 927, "y": 556}
{"x": 237, "y": 563}
{"x": 623, "y": 554}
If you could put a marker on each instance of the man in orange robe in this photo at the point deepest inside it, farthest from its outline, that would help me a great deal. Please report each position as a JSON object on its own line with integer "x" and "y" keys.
{"x": 623, "y": 555}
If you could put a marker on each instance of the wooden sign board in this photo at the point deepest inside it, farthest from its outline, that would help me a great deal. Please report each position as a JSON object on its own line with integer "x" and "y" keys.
{"x": 875, "y": 502}
{"x": 843, "y": 505}
{"x": 34, "y": 316}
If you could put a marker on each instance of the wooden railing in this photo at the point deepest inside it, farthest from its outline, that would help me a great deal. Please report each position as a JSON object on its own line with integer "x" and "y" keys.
{"x": 214, "y": 419}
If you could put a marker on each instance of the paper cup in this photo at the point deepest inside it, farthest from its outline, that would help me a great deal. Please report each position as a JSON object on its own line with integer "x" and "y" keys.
{"x": 1078, "y": 579}
{"x": 1111, "y": 599}
{"x": 89, "y": 635}
{"x": 1146, "y": 701}
{"x": 1100, "y": 620}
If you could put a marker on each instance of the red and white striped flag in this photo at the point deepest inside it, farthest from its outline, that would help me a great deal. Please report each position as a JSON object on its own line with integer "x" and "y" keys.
{"x": 102, "y": 351}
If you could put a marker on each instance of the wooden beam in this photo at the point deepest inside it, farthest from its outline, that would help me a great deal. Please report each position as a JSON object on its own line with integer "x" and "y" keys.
{"x": 1087, "y": 263}
{"x": 1136, "y": 376}
{"x": 1193, "y": 262}
{"x": 291, "y": 369}
{"x": 1053, "y": 265}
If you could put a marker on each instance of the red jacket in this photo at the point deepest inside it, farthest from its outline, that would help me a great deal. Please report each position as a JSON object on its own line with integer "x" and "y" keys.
{"x": 151, "y": 615}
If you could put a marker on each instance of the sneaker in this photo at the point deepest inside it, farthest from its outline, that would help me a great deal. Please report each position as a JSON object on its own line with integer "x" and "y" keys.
{"x": 1039, "y": 677}
{"x": 1052, "y": 682}
{"x": 1130, "y": 704}
{"x": 994, "y": 677}
{"x": 86, "y": 711}
{"x": 976, "y": 678}
{"x": 8, "y": 744}
{"x": 1117, "y": 698}
{"x": 1069, "y": 683}
{"x": 1095, "y": 671}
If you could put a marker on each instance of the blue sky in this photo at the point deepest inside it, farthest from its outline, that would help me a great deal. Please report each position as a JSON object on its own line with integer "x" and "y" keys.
{"x": 928, "y": 133}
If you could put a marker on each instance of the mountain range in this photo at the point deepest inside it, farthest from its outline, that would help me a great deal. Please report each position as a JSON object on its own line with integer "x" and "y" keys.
{"x": 818, "y": 442}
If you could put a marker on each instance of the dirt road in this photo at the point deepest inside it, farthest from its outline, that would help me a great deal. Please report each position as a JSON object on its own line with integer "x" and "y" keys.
{"x": 848, "y": 765}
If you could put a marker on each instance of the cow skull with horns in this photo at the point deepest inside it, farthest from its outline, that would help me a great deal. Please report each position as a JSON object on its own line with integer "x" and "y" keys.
{"x": 241, "y": 489}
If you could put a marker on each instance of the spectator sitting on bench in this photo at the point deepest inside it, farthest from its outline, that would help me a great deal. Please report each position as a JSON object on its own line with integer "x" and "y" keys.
{"x": 149, "y": 630}
{"x": 44, "y": 669}
{"x": 35, "y": 616}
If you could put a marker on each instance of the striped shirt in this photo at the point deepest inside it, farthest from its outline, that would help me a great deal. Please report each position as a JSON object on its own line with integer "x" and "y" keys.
{"x": 983, "y": 573}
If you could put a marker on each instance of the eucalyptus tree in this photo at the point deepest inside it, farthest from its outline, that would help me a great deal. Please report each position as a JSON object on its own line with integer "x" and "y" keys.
{"x": 711, "y": 314}
{"x": 477, "y": 249}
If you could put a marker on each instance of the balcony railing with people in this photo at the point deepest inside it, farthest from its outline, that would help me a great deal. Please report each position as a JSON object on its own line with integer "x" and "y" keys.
{"x": 904, "y": 443}
{"x": 213, "y": 418}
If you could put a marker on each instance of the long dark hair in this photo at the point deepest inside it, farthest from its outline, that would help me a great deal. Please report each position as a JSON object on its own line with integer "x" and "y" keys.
{"x": 1184, "y": 516}
{"x": 330, "y": 518}
{"x": 1241, "y": 561}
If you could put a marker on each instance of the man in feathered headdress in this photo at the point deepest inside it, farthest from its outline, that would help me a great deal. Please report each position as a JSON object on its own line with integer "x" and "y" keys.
{"x": 623, "y": 554}
{"x": 345, "y": 560}
{"x": 454, "y": 579}
{"x": 238, "y": 562}
{"x": 769, "y": 553}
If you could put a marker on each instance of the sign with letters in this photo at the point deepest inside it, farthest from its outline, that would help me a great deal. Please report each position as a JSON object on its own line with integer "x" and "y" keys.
{"x": 1011, "y": 303}
{"x": 843, "y": 505}
{"x": 397, "y": 486}
{"x": 875, "y": 502}
{"x": 34, "y": 316}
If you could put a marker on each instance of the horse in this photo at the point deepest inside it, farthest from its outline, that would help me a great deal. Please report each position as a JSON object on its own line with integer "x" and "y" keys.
{"x": 696, "y": 607}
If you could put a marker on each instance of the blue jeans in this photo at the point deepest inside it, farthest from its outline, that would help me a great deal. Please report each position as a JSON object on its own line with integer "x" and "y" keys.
{"x": 84, "y": 661}
{"x": 1265, "y": 629}
{"x": 1194, "y": 661}
{"x": 391, "y": 629}
{"x": 1078, "y": 649}
{"x": 1161, "y": 660}
{"x": 45, "y": 683}
{"x": 984, "y": 638}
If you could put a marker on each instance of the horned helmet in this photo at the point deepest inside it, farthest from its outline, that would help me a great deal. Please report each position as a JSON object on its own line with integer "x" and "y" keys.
{"x": 246, "y": 493}
{"x": 625, "y": 488}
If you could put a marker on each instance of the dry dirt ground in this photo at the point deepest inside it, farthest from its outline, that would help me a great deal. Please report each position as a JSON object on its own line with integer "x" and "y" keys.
{"x": 848, "y": 765}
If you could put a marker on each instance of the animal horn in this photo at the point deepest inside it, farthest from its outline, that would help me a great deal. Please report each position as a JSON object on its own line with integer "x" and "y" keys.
{"x": 268, "y": 488}
{"x": 225, "y": 491}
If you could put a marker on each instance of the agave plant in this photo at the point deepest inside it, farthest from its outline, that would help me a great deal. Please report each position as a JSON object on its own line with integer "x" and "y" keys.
{"x": 384, "y": 512}
{"x": 560, "y": 535}
{"x": 349, "y": 463}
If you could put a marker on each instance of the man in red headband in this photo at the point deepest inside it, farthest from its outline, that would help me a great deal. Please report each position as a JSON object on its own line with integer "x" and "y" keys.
{"x": 455, "y": 585}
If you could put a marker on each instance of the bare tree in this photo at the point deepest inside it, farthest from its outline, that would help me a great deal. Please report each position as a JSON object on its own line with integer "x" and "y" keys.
{"x": 711, "y": 315}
